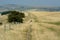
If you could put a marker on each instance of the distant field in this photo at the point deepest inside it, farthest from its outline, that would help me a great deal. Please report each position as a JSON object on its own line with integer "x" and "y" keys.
{"x": 38, "y": 25}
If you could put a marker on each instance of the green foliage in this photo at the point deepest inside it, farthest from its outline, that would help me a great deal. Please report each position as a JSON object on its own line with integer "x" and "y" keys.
{"x": 0, "y": 23}
{"x": 5, "y": 12}
{"x": 15, "y": 16}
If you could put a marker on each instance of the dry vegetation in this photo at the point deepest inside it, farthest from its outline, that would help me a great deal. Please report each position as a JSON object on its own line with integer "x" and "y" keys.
{"x": 38, "y": 25}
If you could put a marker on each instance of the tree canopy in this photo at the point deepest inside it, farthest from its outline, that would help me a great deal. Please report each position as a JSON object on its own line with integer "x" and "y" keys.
{"x": 15, "y": 16}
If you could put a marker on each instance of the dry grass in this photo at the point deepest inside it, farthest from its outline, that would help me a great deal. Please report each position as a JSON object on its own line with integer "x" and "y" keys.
{"x": 42, "y": 27}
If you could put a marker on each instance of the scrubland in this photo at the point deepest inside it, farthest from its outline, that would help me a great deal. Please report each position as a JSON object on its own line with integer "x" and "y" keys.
{"x": 38, "y": 25}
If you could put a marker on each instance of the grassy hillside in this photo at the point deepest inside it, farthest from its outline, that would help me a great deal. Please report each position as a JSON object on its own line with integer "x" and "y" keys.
{"x": 38, "y": 25}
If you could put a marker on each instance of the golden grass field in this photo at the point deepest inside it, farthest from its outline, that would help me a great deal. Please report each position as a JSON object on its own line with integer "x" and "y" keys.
{"x": 38, "y": 25}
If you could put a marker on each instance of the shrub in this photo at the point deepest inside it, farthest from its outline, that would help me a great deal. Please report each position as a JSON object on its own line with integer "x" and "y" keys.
{"x": 15, "y": 16}
{"x": 0, "y": 23}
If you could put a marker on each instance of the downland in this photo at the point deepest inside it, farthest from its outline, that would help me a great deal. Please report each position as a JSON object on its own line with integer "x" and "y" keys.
{"x": 38, "y": 25}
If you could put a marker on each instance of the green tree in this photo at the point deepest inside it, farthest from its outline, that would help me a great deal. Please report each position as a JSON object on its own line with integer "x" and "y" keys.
{"x": 15, "y": 16}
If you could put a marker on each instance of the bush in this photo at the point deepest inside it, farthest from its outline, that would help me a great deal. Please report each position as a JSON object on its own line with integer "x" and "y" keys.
{"x": 0, "y": 23}
{"x": 15, "y": 16}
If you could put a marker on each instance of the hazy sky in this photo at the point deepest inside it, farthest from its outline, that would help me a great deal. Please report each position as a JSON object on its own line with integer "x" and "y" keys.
{"x": 32, "y": 2}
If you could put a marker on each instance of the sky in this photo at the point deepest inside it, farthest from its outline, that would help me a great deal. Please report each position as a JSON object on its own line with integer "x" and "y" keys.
{"x": 32, "y": 2}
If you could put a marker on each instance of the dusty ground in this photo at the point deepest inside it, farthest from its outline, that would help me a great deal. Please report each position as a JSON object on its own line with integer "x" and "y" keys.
{"x": 38, "y": 25}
